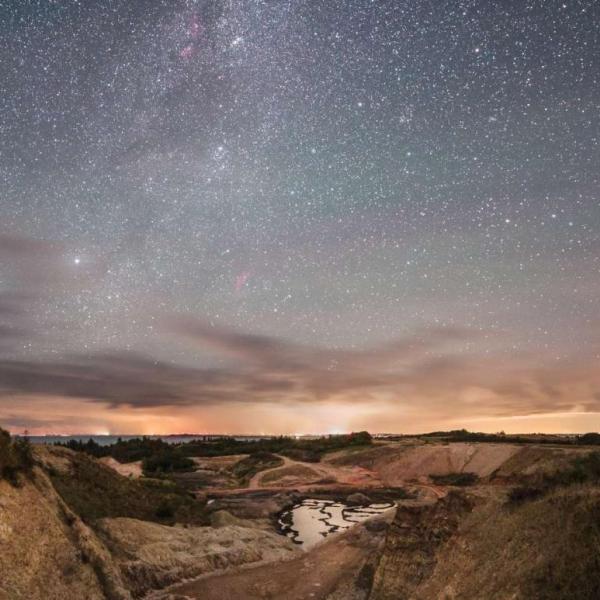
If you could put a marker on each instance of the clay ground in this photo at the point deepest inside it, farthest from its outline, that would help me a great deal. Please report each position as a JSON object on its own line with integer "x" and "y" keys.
{"x": 314, "y": 575}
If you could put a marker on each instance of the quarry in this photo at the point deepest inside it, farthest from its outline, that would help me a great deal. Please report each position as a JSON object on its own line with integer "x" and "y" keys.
{"x": 383, "y": 520}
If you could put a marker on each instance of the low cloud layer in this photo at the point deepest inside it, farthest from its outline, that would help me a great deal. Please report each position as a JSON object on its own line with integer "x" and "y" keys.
{"x": 434, "y": 373}
{"x": 418, "y": 373}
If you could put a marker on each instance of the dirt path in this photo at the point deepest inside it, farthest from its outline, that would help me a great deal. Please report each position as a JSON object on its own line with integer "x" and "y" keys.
{"x": 312, "y": 576}
{"x": 354, "y": 475}
{"x": 256, "y": 479}
{"x": 350, "y": 477}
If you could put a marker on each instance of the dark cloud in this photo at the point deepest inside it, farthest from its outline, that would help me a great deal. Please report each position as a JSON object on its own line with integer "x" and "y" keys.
{"x": 14, "y": 246}
{"x": 265, "y": 370}
{"x": 12, "y": 304}
{"x": 116, "y": 379}
{"x": 418, "y": 372}
{"x": 8, "y": 332}
{"x": 279, "y": 354}
{"x": 30, "y": 263}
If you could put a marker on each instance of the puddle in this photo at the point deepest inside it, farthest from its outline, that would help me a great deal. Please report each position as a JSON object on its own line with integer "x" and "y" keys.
{"x": 312, "y": 520}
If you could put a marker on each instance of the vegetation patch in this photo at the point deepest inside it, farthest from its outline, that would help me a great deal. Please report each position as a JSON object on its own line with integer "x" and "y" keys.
{"x": 459, "y": 479}
{"x": 295, "y": 471}
{"x": 246, "y": 468}
{"x": 463, "y": 435}
{"x": 567, "y": 562}
{"x": 523, "y": 493}
{"x": 16, "y": 457}
{"x": 163, "y": 460}
{"x": 166, "y": 461}
{"x": 125, "y": 451}
{"x": 94, "y": 491}
{"x": 308, "y": 450}
{"x": 583, "y": 469}
{"x": 302, "y": 454}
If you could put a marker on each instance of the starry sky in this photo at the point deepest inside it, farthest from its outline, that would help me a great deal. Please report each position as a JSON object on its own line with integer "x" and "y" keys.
{"x": 287, "y": 216}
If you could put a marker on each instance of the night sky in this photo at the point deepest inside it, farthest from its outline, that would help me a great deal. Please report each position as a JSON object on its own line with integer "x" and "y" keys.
{"x": 299, "y": 216}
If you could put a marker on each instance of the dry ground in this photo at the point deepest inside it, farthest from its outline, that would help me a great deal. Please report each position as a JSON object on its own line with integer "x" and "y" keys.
{"x": 132, "y": 469}
{"x": 311, "y": 576}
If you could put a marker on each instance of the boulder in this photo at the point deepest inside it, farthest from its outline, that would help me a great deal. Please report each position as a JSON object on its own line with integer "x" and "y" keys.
{"x": 358, "y": 499}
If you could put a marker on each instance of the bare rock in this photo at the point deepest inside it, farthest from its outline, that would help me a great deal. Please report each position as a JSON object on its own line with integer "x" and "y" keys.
{"x": 358, "y": 499}
{"x": 376, "y": 525}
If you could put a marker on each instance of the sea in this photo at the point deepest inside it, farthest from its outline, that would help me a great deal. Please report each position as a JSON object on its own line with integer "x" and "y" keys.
{"x": 107, "y": 440}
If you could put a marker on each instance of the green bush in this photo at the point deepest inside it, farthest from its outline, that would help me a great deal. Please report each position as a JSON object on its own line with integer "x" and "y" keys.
{"x": 124, "y": 451}
{"x": 167, "y": 461}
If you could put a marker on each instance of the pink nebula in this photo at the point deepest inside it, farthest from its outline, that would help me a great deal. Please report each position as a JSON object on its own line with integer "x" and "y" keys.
{"x": 241, "y": 280}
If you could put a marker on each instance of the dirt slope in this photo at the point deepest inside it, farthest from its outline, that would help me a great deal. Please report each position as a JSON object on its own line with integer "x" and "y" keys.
{"x": 152, "y": 556}
{"x": 47, "y": 551}
{"x": 479, "y": 548}
{"x": 337, "y": 569}
{"x": 74, "y": 530}
{"x": 396, "y": 464}
{"x": 132, "y": 469}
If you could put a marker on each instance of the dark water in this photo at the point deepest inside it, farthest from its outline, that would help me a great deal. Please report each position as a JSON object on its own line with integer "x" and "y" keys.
{"x": 107, "y": 440}
{"x": 310, "y": 521}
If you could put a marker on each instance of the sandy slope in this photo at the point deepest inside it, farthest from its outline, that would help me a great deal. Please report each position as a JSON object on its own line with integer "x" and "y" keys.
{"x": 132, "y": 469}
{"x": 422, "y": 461}
{"x": 332, "y": 566}
{"x": 46, "y": 552}
{"x": 396, "y": 464}
{"x": 153, "y": 556}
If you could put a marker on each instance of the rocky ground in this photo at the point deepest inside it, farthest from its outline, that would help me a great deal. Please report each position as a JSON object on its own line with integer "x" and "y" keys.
{"x": 81, "y": 528}
{"x": 342, "y": 563}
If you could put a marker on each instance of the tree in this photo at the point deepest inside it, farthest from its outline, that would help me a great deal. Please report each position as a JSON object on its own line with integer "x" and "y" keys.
{"x": 590, "y": 438}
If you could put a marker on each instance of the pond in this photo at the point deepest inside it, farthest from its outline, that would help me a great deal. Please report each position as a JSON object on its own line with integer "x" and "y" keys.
{"x": 312, "y": 520}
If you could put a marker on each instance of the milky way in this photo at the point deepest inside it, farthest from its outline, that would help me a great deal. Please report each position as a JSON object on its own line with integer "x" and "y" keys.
{"x": 329, "y": 179}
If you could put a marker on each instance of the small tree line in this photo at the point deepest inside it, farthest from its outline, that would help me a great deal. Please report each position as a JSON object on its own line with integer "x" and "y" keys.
{"x": 16, "y": 457}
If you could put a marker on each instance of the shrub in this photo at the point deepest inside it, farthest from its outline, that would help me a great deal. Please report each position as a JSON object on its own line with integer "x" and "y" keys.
{"x": 592, "y": 438}
{"x": 360, "y": 438}
{"x": 302, "y": 455}
{"x": 584, "y": 469}
{"x": 94, "y": 491}
{"x": 166, "y": 461}
{"x": 24, "y": 453}
{"x": 460, "y": 479}
{"x": 524, "y": 493}
{"x": 164, "y": 510}
{"x": 15, "y": 457}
